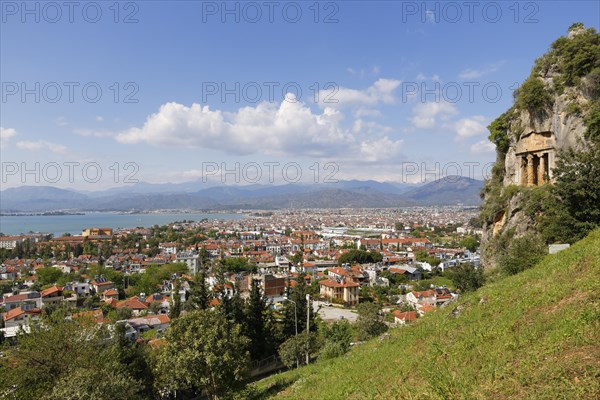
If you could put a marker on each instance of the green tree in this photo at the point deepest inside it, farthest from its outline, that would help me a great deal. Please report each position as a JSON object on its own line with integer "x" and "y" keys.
{"x": 522, "y": 253}
{"x": 203, "y": 353}
{"x": 370, "y": 321}
{"x": 467, "y": 277}
{"x": 336, "y": 339}
{"x": 574, "y": 208}
{"x": 255, "y": 327}
{"x": 48, "y": 275}
{"x": 176, "y": 301}
{"x": 360, "y": 257}
{"x": 470, "y": 243}
{"x": 199, "y": 298}
{"x": 65, "y": 360}
{"x": 293, "y": 350}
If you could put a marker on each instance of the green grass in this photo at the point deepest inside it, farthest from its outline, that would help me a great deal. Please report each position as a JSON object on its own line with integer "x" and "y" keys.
{"x": 535, "y": 336}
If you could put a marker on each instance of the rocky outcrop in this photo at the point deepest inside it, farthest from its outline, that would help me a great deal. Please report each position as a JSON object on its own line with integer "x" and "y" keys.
{"x": 533, "y": 142}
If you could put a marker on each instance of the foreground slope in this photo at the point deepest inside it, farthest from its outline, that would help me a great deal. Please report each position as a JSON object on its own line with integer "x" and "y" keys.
{"x": 531, "y": 335}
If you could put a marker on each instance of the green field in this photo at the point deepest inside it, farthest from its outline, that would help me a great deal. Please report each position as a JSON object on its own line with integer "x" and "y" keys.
{"x": 534, "y": 335}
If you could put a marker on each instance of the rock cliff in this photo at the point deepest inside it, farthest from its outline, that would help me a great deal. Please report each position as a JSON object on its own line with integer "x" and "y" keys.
{"x": 550, "y": 115}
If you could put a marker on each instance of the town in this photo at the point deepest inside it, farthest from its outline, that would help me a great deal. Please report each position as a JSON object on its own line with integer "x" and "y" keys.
{"x": 327, "y": 261}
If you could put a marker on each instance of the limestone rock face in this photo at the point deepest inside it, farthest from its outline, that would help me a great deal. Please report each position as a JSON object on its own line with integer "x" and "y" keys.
{"x": 563, "y": 128}
{"x": 535, "y": 143}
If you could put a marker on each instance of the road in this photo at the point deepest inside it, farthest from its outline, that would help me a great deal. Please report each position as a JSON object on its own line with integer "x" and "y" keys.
{"x": 332, "y": 313}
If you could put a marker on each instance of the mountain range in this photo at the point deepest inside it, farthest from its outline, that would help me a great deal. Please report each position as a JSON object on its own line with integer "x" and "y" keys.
{"x": 143, "y": 196}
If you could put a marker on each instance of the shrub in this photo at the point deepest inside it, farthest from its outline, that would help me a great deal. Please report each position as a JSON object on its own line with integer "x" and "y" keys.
{"x": 522, "y": 253}
{"x": 534, "y": 97}
{"x": 468, "y": 278}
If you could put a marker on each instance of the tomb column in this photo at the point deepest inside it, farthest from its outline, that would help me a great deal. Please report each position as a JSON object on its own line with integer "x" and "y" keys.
{"x": 542, "y": 170}
{"x": 523, "y": 171}
{"x": 530, "y": 171}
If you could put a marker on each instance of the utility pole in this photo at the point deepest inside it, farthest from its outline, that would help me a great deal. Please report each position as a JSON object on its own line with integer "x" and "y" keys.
{"x": 307, "y": 328}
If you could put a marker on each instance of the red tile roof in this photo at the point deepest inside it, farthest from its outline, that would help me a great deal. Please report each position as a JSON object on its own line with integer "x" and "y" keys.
{"x": 51, "y": 290}
{"x": 407, "y": 316}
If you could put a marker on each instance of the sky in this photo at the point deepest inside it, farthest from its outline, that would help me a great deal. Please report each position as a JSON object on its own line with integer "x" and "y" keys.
{"x": 103, "y": 94}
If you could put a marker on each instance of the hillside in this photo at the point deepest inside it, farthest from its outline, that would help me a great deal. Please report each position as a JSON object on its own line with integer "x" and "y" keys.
{"x": 534, "y": 335}
{"x": 448, "y": 190}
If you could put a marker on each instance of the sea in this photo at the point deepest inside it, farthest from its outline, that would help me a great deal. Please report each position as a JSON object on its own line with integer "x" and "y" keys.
{"x": 74, "y": 224}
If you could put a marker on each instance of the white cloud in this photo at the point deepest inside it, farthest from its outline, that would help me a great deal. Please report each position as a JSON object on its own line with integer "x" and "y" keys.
{"x": 426, "y": 114}
{"x": 382, "y": 149}
{"x": 289, "y": 128}
{"x": 99, "y": 118}
{"x": 483, "y": 147}
{"x": 468, "y": 127}
{"x": 61, "y": 121}
{"x": 423, "y": 77}
{"x": 5, "y": 135}
{"x": 367, "y": 112}
{"x": 382, "y": 91}
{"x": 91, "y": 132}
{"x": 478, "y": 73}
{"x": 42, "y": 145}
{"x": 430, "y": 16}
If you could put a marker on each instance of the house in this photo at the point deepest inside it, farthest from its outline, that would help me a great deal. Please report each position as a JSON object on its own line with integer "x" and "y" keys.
{"x": 97, "y": 233}
{"x": 168, "y": 247}
{"x": 424, "y": 297}
{"x": 164, "y": 303}
{"x": 100, "y": 284}
{"x": 95, "y": 316}
{"x": 52, "y": 295}
{"x": 134, "y": 304}
{"x": 10, "y": 242}
{"x": 272, "y": 286}
{"x": 25, "y": 300}
{"x": 443, "y": 296}
{"x": 17, "y": 318}
{"x": 341, "y": 291}
{"x": 403, "y": 318}
{"x": 191, "y": 260}
{"x": 157, "y": 322}
{"x": 354, "y": 273}
{"x": 110, "y": 294}
{"x": 81, "y": 289}
{"x": 423, "y": 309}
{"x": 411, "y": 273}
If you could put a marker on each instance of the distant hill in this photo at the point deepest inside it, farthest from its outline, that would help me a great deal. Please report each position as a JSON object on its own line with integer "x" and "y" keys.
{"x": 448, "y": 190}
{"x": 347, "y": 194}
{"x": 40, "y": 198}
{"x": 534, "y": 336}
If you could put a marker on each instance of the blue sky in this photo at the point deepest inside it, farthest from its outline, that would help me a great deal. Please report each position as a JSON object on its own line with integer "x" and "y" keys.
{"x": 398, "y": 77}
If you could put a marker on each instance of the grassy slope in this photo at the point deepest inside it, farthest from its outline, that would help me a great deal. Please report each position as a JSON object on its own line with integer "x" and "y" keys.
{"x": 536, "y": 336}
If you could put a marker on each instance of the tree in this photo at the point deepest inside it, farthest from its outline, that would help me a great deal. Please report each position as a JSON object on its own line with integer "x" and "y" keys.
{"x": 199, "y": 298}
{"x": 48, "y": 275}
{"x": 336, "y": 339}
{"x": 360, "y": 257}
{"x": 176, "y": 306}
{"x": 573, "y": 209}
{"x": 203, "y": 353}
{"x": 370, "y": 321}
{"x": 522, "y": 253}
{"x": 293, "y": 350}
{"x": 65, "y": 360}
{"x": 467, "y": 277}
{"x": 255, "y": 325}
{"x": 470, "y": 243}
